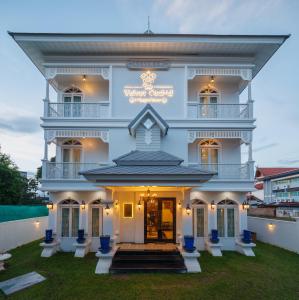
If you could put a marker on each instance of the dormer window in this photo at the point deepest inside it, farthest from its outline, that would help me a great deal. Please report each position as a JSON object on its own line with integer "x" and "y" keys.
{"x": 72, "y": 98}
{"x": 208, "y": 99}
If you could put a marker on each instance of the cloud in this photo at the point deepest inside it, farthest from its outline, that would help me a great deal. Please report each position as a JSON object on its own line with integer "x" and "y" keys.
{"x": 20, "y": 125}
{"x": 288, "y": 161}
{"x": 264, "y": 147}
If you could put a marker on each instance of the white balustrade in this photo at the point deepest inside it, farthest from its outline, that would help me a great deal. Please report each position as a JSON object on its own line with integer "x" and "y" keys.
{"x": 73, "y": 110}
{"x": 69, "y": 170}
{"x": 218, "y": 111}
{"x": 226, "y": 171}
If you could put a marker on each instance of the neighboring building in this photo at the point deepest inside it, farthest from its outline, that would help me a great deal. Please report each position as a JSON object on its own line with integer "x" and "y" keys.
{"x": 148, "y": 131}
{"x": 278, "y": 184}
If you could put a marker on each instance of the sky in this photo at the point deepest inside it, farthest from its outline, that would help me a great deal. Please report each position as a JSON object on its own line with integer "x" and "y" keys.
{"x": 276, "y": 106}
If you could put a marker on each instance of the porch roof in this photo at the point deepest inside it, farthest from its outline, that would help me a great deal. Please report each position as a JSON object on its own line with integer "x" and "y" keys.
{"x": 148, "y": 167}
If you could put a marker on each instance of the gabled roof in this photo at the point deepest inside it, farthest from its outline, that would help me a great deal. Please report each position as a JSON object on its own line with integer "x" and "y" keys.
{"x": 256, "y": 50}
{"x": 148, "y": 111}
{"x": 147, "y": 168}
{"x": 148, "y": 158}
{"x": 261, "y": 173}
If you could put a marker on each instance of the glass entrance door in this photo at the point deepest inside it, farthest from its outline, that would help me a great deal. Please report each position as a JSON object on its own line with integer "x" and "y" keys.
{"x": 159, "y": 220}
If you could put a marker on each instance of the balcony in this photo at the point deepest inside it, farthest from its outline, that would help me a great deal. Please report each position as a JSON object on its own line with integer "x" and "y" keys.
{"x": 219, "y": 111}
{"x": 228, "y": 171}
{"x": 53, "y": 170}
{"x": 84, "y": 110}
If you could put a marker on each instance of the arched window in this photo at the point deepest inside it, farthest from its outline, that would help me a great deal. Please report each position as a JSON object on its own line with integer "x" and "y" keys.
{"x": 227, "y": 210}
{"x": 71, "y": 158}
{"x": 96, "y": 218}
{"x": 208, "y": 99}
{"x": 200, "y": 217}
{"x": 69, "y": 210}
{"x": 209, "y": 154}
{"x": 72, "y": 99}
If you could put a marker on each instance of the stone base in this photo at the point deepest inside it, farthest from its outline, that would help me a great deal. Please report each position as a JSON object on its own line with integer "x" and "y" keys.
{"x": 191, "y": 261}
{"x": 214, "y": 249}
{"x": 49, "y": 249}
{"x": 245, "y": 249}
{"x": 82, "y": 249}
{"x": 104, "y": 261}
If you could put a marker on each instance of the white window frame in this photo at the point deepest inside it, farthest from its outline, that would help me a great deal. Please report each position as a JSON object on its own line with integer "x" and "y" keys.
{"x": 100, "y": 208}
{"x": 70, "y": 207}
{"x": 236, "y": 216}
{"x": 206, "y": 219}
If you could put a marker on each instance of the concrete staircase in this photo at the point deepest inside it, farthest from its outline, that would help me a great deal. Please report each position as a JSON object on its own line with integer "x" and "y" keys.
{"x": 145, "y": 261}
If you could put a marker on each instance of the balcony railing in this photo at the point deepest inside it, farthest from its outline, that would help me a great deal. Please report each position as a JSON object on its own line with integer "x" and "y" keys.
{"x": 88, "y": 110}
{"x": 227, "y": 171}
{"x": 53, "y": 170}
{"x": 218, "y": 111}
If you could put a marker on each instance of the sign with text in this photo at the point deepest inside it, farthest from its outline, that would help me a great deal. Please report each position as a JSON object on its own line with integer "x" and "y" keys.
{"x": 148, "y": 92}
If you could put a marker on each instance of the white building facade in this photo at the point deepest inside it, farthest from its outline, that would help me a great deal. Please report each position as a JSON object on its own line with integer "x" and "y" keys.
{"x": 148, "y": 131}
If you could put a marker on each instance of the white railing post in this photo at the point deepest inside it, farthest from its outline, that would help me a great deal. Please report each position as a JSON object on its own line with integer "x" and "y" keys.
{"x": 44, "y": 168}
{"x": 250, "y": 101}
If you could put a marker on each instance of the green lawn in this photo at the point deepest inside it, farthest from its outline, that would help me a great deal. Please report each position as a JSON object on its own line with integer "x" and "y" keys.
{"x": 272, "y": 274}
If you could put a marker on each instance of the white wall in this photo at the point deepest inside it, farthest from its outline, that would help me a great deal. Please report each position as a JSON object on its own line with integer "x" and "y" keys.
{"x": 121, "y": 108}
{"x": 16, "y": 233}
{"x": 284, "y": 234}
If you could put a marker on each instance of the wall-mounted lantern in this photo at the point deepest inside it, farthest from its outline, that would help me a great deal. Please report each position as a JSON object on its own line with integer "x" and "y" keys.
{"x": 139, "y": 205}
{"x": 213, "y": 205}
{"x": 82, "y": 205}
{"x": 188, "y": 209}
{"x": 107, "y": 209}
{"x": 179, "y": 204}
{"x": 50, "y": 205}
{"x": 246, "y": 205}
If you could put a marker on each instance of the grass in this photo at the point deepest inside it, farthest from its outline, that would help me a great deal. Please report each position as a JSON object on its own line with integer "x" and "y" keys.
{"x": 272, "y": 274}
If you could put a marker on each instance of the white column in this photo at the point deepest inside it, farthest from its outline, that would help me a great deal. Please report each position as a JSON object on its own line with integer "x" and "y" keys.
{"x": 250, "y": 101}
{"x": 186, "y": 92}
{"x": 45, "y": 159}
{"x": 46, "y": 100}
{"x": 110, "y": 91}
{"x": 108, "y": 217}
{"x": 186, "y": 219}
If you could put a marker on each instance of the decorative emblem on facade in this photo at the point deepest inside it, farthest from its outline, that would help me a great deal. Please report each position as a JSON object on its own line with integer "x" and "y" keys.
{"x": 148, "y": 92}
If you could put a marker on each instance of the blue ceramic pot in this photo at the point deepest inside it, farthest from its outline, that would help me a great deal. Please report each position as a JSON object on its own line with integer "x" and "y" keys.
{"x": 189, "y": 242}
{"x": 105, "y": 243}
{"x": 246, "y": 237}
{"x": 48, "y": 236}
{"x": 214, "y": 236}
{"x": 81, "y": 238}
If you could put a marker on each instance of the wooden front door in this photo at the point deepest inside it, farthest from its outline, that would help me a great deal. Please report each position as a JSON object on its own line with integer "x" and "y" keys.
{"x": 160, "y": 220}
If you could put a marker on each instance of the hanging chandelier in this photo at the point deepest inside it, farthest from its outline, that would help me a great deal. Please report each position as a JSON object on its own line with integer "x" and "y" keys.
{"x": 148, "y": 196}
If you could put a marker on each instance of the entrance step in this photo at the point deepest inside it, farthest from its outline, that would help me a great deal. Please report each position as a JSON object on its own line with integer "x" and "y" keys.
{"x": 132, "y": 261}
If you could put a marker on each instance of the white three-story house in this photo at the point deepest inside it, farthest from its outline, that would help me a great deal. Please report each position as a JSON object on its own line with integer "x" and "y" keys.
{"x": 148, "y": 131}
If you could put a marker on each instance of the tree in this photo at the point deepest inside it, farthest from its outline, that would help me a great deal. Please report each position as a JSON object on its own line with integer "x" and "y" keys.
{"x": 13, "y": 185}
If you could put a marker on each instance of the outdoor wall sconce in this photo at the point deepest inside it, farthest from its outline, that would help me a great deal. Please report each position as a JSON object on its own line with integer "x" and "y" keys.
{"x": 212, "y": 79}
{"x": 50, "y": 205}
{"x": 188, "y": 210}
{"x": 179, "y": 204}
{"x": 246, "y": 205}
{"x": 116, "y": 203}
{"x": 84, "y": 77}
{"x": 213, "y": 205}
{"x": 139, "y": 205}
{"x": 107, "y": 209}
{"x": 270, "y": 225}
{"x": 82, "y": 205}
